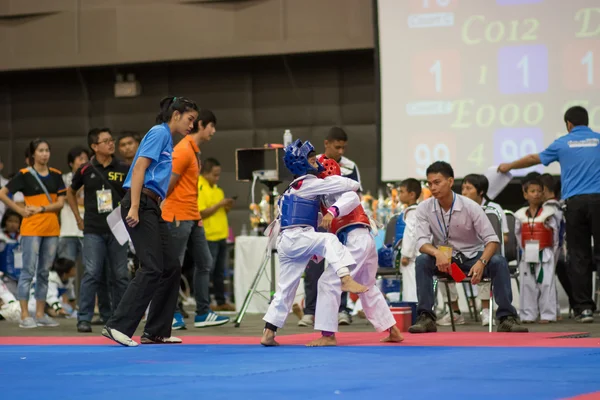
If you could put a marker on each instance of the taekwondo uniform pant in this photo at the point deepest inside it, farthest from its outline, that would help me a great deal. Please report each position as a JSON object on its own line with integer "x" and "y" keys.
{"x": 361, "y": 245}
{"x": 409, "y": 282}
{"x": 295, "y": 247}
{"x": 538, "y": 299}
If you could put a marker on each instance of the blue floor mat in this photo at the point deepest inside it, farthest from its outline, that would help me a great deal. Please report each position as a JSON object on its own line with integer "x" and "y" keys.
{"x": 295, "y": 372}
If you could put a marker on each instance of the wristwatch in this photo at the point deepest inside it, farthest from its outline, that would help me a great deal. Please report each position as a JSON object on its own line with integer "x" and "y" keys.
{"x": 483, "y": 261}
{"x": 43, "y": 209}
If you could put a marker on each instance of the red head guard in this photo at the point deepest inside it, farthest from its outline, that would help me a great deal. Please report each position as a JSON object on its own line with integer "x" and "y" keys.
{"x": 331, "y": 167}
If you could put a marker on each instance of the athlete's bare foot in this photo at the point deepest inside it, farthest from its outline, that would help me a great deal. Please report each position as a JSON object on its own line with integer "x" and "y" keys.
{"x": 323, "y": 341}
{"x": 394, "y": 337}
{"x": 297, "y": 310}
{"x": 268, "y": 338}
{"x": 350, "y": 285}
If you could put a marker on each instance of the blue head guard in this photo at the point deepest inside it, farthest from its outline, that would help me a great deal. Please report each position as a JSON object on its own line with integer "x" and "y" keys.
{"x": 296, "y": 158}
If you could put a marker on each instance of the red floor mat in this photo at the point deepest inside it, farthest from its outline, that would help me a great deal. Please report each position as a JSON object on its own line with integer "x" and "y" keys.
{"x": 464, "y": 339}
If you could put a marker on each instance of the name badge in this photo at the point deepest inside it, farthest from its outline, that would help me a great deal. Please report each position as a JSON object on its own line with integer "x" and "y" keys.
{"x": 532, "y": 251}
{"x": 18, "y": 259}
{"x": 104, "y": 201}
{"x": 447, "y": 251}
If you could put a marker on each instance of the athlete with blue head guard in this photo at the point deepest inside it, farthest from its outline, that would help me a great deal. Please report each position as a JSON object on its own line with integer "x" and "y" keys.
{"x": 297, "y": 237}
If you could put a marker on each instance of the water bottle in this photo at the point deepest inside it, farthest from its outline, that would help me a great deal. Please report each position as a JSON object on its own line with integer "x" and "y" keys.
{"x": 287, "y": 137}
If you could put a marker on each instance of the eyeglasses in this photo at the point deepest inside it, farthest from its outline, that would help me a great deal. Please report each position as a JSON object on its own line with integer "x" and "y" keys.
{"x": 106, "y": 141}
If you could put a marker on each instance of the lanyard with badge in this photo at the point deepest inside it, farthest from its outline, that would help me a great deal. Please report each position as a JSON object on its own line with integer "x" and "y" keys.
{"x": 104, "y": 199}
{"x": 447, "y": 250}
{"x": 532, "y": 248}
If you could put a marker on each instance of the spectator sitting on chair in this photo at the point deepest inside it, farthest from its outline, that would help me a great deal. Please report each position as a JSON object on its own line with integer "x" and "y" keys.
{"x": 475, "y": 187}
{"x": 453, "y": 229}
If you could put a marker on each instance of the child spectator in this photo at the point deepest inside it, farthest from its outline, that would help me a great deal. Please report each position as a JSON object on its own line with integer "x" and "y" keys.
{"x": 410, "y": 191}
{"x": 551, "y": 199}
{"x": 537, "y": 230}
{"x": 60, "y": 301}
{"x": 9, "y": 245}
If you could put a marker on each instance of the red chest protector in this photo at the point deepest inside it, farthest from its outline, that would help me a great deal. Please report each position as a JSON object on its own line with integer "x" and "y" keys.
{"x": 536, "y": 229}
{"x": 355, "y": 217}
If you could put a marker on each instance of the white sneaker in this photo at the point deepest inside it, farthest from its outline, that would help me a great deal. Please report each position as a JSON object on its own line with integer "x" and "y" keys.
{"x": 485, "y": 317}
{"x": 344, "y": 318}
{"x": 307, "y": 320}
{"x": 149, "y": 339}
{"x": 118, "y": 337}
{"x": 189, "y": 301}
{"x": 445, "y": 320}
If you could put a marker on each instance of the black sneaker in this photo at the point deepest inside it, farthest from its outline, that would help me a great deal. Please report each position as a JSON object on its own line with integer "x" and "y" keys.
{"x": 151, "y": 339}
{"x": 586, "y": 317}
{"x": 511, "y": 324}
{"x": 425, "y": 323}
{"x": 84, "y": 327}
{"x": 98, "y": 321}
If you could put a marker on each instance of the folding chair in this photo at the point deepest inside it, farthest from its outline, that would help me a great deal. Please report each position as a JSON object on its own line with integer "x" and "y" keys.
{"x": 445, "y": 279}
{"x": 390, "y": 237}
{"x": 512, "y": 254}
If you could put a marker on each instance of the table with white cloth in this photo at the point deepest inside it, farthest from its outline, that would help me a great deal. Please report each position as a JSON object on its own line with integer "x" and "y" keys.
{"x": 249, "y": 255}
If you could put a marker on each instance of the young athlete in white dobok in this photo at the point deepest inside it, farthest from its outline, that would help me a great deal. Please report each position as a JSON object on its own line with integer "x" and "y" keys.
{"x": 353, "y": 230}
{"x": 298, "y": 241}
{"x": 537, "y": 231}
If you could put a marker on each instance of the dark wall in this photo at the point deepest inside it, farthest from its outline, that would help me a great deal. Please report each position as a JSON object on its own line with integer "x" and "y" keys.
{"x": 254, "y": 99}
{"x": 36, "y": 34}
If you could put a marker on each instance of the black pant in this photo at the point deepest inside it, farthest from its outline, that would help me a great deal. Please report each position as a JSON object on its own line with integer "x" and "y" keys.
{"x": 583, "y": 223}
{"x": 311, "y": 283}
{"x": 218, "y": 250}
{"x": 562, "y": 273}
{"x": 157, "y": 280}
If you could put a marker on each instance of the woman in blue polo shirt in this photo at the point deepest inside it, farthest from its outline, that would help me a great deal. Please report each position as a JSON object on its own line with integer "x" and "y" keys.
{"x": 158, "y": 278}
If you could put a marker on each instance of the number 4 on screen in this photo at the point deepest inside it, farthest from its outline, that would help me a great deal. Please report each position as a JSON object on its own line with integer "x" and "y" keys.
{"x": 476, "y": 156}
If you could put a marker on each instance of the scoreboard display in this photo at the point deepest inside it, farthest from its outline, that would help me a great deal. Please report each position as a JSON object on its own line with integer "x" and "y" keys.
{"x": 481, "y": 82}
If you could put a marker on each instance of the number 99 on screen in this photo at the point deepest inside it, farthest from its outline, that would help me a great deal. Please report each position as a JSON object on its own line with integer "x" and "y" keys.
{"x": 427, "y": 154}
{"x": 513, "y": 144}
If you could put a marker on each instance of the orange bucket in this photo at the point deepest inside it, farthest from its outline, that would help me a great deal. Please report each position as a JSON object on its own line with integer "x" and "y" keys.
{"x": 403, "y": 317}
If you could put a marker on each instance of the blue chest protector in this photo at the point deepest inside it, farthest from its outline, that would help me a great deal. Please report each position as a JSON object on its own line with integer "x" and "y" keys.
{"x": 7, "y": 261}
{"x": 400, "y": 226}
{"x": 296, "y": 211}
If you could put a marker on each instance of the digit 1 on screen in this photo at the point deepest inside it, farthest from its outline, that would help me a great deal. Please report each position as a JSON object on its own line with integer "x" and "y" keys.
{"x": 588, "y": 61}
{"x": 524, "y": 65}
{"x": 424, "y": 156}
{"x": 436, "y": 70}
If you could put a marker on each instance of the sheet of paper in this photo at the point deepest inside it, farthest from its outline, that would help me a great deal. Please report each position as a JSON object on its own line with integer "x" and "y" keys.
{"x": 497, "y": 181}
{"x": 117, "y": 226}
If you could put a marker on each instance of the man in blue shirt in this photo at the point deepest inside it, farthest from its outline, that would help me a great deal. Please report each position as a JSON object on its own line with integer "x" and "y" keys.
{"x": 579, "y": 156}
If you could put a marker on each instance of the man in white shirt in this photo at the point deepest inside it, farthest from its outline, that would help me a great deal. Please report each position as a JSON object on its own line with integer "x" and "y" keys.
{"x": 454, "y": 230}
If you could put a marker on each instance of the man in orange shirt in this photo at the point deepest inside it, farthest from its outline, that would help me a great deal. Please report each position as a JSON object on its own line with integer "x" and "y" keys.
{"x": 180, "y": 210}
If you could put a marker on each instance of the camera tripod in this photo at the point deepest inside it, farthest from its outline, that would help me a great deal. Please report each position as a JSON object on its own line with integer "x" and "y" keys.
{"x": 263, "y": 267}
